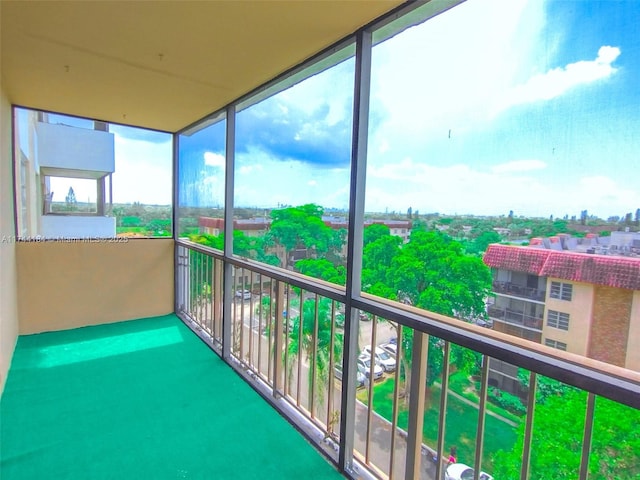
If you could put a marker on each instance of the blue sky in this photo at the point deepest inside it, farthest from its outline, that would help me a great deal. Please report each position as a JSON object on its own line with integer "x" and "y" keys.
{"x": 495, "y": 105}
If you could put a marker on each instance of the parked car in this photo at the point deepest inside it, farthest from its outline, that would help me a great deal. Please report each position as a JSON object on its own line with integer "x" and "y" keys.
{"x": 360, "y": 377}
{"x": 364, "y": 365}
{"x": 243, "y": 294}
{"x": 391, "y": 348}
{"x": 383, "y": 358}
{"x": 460, "y": 471}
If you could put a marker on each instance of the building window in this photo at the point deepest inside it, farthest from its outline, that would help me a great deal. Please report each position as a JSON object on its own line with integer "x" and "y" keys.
{"x": 561, "y": 291}
{"x": 558, "y": 320}
{"x": 555, "y": 344}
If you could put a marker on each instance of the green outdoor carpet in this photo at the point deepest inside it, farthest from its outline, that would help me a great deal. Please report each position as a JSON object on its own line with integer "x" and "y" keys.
{"x": 143, "y": 399}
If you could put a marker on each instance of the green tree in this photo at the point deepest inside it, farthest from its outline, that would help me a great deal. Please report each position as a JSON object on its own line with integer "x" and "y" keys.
{"x": 302, "y": 227}
{"x": 70, "y": 200}
{"x": 374, "y": 232}
{"x": 130, "y": 221}
{"x": 436, "y": 274}
{"x": 377, "y": 259}
{"x": 545, "y": 387}
{"x": 310, "y": 333}
{"x": 486, "y": 238}
{"x": 159, "y": 227}
{"x": 323, "y": 269}
{"x": 557, "y": 446}
{"x": 243, "y": 245}
{"x": 432, "y": 272}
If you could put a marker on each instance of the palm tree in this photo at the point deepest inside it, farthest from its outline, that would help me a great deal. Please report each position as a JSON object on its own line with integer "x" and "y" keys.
{"x": 316, "y": 339}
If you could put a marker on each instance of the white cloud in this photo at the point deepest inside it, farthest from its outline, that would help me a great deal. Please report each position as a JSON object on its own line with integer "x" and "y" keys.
{"x": 465, "y": 189}
{"x": 288, "y": 182}
{"x": 519, "y": 166}
{"x": 449, "y": 72}
{"x": 558, "y": 81}
{"x": 214, "y": 159}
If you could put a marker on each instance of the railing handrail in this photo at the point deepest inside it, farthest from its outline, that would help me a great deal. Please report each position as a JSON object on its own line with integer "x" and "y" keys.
{"x": 609, "y": 381}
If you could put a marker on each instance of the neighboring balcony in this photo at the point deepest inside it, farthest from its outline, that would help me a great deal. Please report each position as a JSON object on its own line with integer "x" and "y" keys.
{"x": 508, "y": 288}
{"x": 515, "y": 317}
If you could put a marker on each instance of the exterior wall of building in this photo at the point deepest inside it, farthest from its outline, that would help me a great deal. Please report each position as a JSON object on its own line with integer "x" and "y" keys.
{"x": 611, "y": 322}
{"x": 8, "y": 276}
{"x": 78, "y": 226}
{"x": 68, "y": 285}
{"x": 82, "y": 152}
{"x": 580, "y": 310}
{"x": 632, "y": 361}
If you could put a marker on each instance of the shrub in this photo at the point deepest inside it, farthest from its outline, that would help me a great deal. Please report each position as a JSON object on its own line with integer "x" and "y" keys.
{"x": 509, "y": 402}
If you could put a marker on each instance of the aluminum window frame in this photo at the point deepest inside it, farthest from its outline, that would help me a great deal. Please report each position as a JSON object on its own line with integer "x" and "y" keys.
{"x": 559, "y": 320}
{"x": 561, "y": 291}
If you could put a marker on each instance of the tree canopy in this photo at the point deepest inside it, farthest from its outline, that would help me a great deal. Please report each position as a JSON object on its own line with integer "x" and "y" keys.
{"x": 433, "y": 272}
{"x": 303, "y": 227}
{"x": 557, "y": 441}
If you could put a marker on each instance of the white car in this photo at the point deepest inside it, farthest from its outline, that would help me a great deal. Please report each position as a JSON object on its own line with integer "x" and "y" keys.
{"x": 460, "y": 471}
{"x": 364, "y": 365}
{"x": 390, "y": 348}
{"x": 360, "y": 377}
{"x": 244, "y": 294}
{"x": 383, "y": 358}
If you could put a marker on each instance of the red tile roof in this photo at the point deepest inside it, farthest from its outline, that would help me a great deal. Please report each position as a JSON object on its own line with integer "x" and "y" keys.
{"x": 619, "y": 272}
{"x": 519, "y": 259}
{"x": 612, "y": 271}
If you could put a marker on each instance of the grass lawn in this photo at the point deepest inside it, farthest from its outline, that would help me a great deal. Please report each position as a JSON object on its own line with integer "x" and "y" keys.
{"x": 459, "y": 383}
{"x": 461, "y": 423}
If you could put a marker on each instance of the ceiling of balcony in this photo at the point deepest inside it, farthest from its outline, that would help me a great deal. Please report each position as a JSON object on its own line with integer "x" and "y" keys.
{"x": 161, "y": 65}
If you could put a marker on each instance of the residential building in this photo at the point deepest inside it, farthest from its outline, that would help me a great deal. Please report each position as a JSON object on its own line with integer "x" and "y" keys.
{"x": 553, "y": 292}
{"x": 253, "y": 227}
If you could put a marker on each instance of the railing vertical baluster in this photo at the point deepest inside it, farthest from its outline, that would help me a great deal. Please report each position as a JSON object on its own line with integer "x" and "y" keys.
{"x": 280, "y": 341}
{"x": 484, "y": 381}
{"x": 442, "y": 420}
{"x": 528, "y": 428}
{"x": 371, "y": 385}
{"x": 396, "y": 398}
{"x": 196, "y": 289}
{"x": 331, "y": 382}
{"x": 418, "y": 367}
{"x": 314, "y": 363}
{"x": 299, "y": 352}
{"x": 587, "y": 436}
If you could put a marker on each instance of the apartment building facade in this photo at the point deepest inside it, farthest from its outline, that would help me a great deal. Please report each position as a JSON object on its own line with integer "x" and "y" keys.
{"x": 553, "y": 293}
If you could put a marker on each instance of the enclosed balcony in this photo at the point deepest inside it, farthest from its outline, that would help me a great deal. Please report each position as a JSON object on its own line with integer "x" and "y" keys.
{"x": 183, "y": 348}
{"x": 516, "y": 290}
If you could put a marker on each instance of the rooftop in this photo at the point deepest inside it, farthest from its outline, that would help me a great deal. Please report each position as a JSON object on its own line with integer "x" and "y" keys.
{"x": 607, "y": 270}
